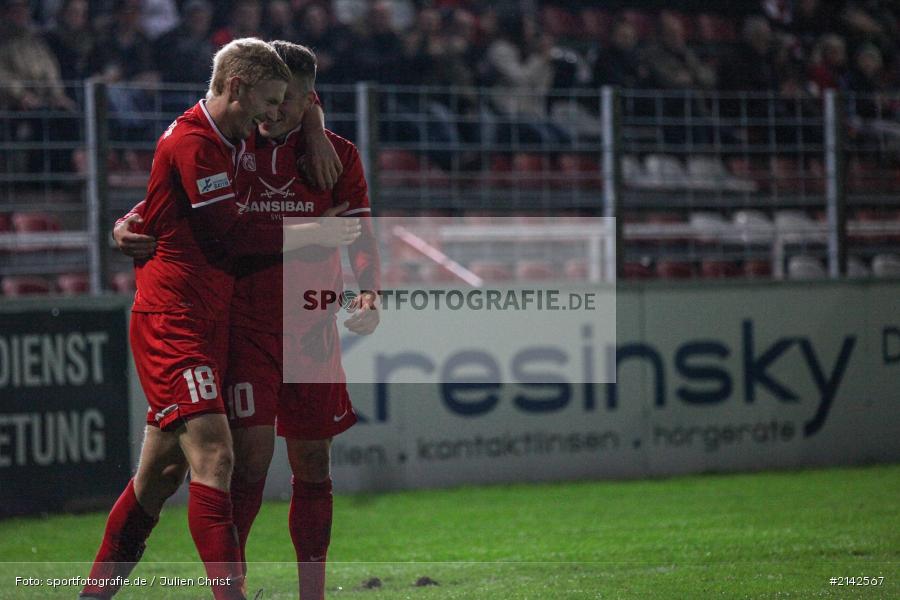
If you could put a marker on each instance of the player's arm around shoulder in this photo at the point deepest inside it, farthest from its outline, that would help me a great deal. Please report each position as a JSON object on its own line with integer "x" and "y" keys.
{"x": 351, "y": 189}
{"x": 351, "y": 186}
{"x": 322, "y": 164}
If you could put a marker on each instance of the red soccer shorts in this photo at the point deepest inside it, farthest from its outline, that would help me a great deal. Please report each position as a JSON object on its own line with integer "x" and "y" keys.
{"x": 179, "y": 361}
{"x": 257, "y": 396}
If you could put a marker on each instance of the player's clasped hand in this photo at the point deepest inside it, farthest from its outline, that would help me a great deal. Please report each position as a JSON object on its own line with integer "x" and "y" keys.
{"x": 365, "y": 314}
{"x": 132, "y": 244}
{"x": 338, "y": 231}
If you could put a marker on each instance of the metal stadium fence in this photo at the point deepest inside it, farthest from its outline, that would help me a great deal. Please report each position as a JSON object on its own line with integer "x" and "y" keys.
{"x": 703, "y": 184}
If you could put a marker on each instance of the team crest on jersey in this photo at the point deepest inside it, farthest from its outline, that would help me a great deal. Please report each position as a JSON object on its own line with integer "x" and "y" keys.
{"x": 248, "y": 162}
{"x": 213, "y": 183}
{"x": 282, "y": 192}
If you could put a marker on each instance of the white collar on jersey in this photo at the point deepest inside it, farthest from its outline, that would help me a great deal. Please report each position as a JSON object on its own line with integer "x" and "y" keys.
{"x": 214, "y": 126}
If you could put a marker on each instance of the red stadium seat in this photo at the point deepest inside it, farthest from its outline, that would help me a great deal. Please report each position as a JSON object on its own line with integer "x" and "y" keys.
{"x": 123, "y": 282}
{"x": 576, "y": 270}
{"x": 674, "y": 269}
{"x": 757, "y": 269}
{"x": 399, "y": 168}
{"x": 5, "y": 222}
{"x": 787, "y": 174}
{"x": 865, "y": 176}
{"x": 815, "y": 176}
{"x": 73, "y": 283}
{"x": 752, "y": 169}
{"x": 529, "y": 170}
{"x": 636, "y": 270}
{"x": 500, "y": 174}
{"x": 34, "y": 222}
{"x": 719, "y": 269}
{"x": 23, "y": 285}
{"x": 535, "y": 270}
{"x": 579, "y": 168}
{"x": 491, "y": 271}
{"x": 435, "y": 177}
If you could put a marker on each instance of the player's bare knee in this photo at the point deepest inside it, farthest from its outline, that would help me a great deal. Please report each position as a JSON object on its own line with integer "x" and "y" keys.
{"x": 251, "y": 468}
{"x": 222, "y": 460}
{"x": 171, "y": 478}
{"x": 213, "y": 465}
{"x": 253, "y": 449}
{"x": 312, "y": 461}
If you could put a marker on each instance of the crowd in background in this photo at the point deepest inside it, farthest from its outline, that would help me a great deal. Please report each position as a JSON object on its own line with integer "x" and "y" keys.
{"x": 523, "y": 51}
{"x": 788, "y": 45}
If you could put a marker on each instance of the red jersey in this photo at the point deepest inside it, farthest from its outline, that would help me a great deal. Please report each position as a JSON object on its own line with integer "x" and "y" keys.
{"x": 191, "y": 209}
{"x": 276, "y": 190}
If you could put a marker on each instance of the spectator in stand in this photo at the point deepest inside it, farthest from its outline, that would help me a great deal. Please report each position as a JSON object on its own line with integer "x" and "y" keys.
{"x": 330, "y": 41}
{"x": 674, "y": 66}
{"x": 793, "y": 103}
{"x": 279, "y": 22}
{"x": 874, "y": 22}
{"x": 806, "y": 20}
{"x": 73, "y": 41}
{"x": 124, "y": 60}
{"x": 753, "y": 65}
{"x": 757, "y": 65}
{"x": 158, "y": 17}
{"x": 828, "y": 69}
{"x": 521, "y": 61}
{"x": 25, "y": 58}
{"x": 427, "y": 48}
{"x": 185, "y": 53}
{"x": 465, "y": 37}
{"x": 620, "y": 63}
{"x": 867, "y": 76}
{"x": 123, "y": 53}
{"x": 379, "y": 53}
{"x": 246, "y": 17}
{"x": 872, "y": 112}
{"x": 671, "y": 63}
{"x": 439, "y": 54}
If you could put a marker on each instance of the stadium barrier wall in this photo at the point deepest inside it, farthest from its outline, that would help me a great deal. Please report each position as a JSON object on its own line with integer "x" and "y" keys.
{"x": 65, "y": 443}
{"x": 714, "y": 377}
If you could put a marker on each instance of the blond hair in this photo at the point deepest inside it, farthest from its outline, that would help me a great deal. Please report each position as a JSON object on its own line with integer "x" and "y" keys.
{"x": 251, "y": 59}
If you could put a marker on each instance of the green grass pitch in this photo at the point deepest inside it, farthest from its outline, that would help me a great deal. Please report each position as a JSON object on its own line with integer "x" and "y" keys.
{"x": 762, "y": 535}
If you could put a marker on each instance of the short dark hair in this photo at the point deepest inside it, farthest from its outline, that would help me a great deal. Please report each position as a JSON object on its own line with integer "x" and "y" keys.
{"x": 299, "y": 59}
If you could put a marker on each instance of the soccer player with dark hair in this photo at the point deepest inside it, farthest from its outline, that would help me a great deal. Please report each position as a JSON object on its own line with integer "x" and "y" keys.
{"x": 308, "y": 414}
{"x": 179, "y": 328}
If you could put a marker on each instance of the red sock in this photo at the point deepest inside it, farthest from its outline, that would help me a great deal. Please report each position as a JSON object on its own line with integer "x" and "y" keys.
{"x": 310, "y": 524}
{"x": 127, "y": 530}
{"x": 212, "y": 527}
{"x": 246, "y": 498}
